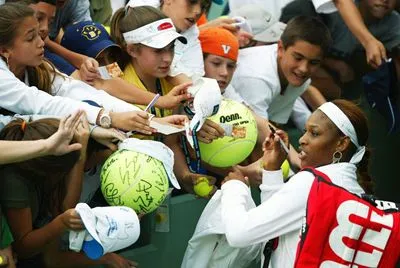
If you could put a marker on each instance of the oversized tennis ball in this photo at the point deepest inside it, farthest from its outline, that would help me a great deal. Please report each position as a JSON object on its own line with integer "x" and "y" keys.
{"x": 202, "y": 188}
{"x": 239, "y": 122}
{"x": 135, "y": 180}
{"x": 285, "y": 167}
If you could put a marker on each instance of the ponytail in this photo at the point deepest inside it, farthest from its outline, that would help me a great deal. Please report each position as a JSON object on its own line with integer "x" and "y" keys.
{"x": 118, "y": 38}
{"x": 364, "y": 179}
{"x": 127, "y": 20}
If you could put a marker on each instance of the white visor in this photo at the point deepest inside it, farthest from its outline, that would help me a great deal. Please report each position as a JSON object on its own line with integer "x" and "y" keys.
{"x": 157, "y": 34}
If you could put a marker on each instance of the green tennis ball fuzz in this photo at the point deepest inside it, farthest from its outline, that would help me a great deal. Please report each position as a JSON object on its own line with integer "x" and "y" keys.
{"x": 285, "y": 167}
{"x": 202, "y": 188}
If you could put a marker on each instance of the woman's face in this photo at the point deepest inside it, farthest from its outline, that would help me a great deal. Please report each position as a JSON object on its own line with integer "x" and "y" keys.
{"x": 154, "y": 62}
{"x": 220, "y": 69}
{"x": 183, "y": 13}
{"x": 28, "y": 47}
{"x": 319, "y": 142}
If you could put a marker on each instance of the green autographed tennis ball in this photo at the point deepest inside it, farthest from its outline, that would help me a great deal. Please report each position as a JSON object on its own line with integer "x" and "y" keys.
{"x": 135, "y": 180}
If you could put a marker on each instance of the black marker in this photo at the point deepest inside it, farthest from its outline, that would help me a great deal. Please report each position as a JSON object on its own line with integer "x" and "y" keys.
{"x": 280, "y": 140}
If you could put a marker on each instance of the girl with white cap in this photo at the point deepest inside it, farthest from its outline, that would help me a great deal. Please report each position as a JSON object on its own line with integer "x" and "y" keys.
{"x": 334, "y": 143}
{"x": 148, "y": 39}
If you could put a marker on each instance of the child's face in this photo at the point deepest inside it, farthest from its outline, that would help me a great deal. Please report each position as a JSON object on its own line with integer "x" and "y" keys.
{"x": 44, "y": 13}
{"x": 220, "y": 69}
{"x": 153, "y": 62}
{"x": 298, "y": 62}
{"x": 379, "y": 8}
{"x": 183, "y": 13}
{"x": 28, "y": 46}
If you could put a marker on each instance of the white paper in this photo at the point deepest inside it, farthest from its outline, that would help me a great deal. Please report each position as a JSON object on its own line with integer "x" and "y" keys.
{"x": 165, "y": 129}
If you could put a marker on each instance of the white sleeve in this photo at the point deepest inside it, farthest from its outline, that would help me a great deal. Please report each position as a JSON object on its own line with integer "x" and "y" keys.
{"x": 68, "y": 87}
{"x": 282, "y": 213}
{"x": 272, "y": 181}
{"x": 188, "y": 60}
{"x": 257, "y": 94}
{"x": 19, "y": 98}
{"x": 324, "y": 6}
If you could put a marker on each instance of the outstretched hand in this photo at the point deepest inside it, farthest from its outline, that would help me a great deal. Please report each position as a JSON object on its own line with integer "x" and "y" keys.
{"x": 59, "y": 142}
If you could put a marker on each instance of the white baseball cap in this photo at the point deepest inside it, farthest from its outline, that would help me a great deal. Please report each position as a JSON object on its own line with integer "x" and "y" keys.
{"x": 264, "y": 26}
{"x": 156, "y": 150}
{"x": 108, "y": 229}
{"x": 157, "y": 34}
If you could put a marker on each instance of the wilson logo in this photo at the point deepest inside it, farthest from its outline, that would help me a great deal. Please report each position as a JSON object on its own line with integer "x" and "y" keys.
{"x": 229, "y": 118}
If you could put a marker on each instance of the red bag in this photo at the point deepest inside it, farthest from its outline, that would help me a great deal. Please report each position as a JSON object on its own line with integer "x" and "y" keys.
{"x": 342, "y": 229}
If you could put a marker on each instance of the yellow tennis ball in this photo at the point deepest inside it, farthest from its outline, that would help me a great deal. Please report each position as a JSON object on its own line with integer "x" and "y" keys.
{"x": 285, "y": 167}
{"x": 202, "y": 188}
{"x": 135, "y": 180}
{"x": 231, "y": 150}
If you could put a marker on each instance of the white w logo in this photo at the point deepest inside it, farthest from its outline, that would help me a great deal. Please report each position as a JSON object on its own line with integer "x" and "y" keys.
{"x": 226, "y": 49}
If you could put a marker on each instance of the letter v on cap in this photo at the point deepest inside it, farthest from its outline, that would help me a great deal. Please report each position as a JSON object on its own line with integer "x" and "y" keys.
{"x": 226, "y": 49}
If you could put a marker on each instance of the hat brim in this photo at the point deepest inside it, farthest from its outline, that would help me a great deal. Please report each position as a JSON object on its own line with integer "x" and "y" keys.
{"x": 92, "y": 248}
{"x": 164, "y": 39}
{"x": 95, "y": 50}
{"x": 272, "y": 34}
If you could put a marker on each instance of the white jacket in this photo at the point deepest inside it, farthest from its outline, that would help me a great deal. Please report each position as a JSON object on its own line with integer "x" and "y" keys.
{"x": 208, "y": 247}
{"x": 281, "y": 212}
{"x": 20, "y": 98}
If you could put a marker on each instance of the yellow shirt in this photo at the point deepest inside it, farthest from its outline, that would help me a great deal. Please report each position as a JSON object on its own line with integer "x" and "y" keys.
{"x": 131, "y": 77}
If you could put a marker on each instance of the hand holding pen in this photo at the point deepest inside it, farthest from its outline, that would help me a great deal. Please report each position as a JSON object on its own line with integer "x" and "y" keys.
{"x": 283, "y": 145}
{"x": 275, "y": 150}
{"x": 148, "y": 107}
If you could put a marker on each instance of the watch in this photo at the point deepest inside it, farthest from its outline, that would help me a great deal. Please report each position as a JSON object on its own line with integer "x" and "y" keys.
{"x": 105, "y": 119}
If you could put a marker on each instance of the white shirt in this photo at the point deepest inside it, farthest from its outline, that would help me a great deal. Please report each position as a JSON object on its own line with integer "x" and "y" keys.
{"x": 188, "y": 58}
{"x": 208, "y": 247}
{"x": 17, "y": 97}
{"x": 230, "y": 93}
{"x": 324, "y": 6}
{"x": 281, "y": 212}
{"x": 274, "y": 7}
{"x": 257, "y": 81}
{"x": 66, "y": 86}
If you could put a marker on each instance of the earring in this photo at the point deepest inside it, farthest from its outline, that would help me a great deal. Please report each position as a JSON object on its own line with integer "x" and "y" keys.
{"x": 336, "y": 157}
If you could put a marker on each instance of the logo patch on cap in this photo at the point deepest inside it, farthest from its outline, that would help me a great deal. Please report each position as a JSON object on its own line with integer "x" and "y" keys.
{"x": 226, "y": 49}
{"x": 91, "y": 32}
{"x": 164, "y": 26}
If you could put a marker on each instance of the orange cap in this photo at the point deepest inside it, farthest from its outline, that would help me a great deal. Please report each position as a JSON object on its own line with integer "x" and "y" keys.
{"x": 219, "y": 41}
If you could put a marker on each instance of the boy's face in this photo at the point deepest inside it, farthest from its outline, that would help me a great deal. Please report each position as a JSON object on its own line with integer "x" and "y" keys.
{"x": 379, "y": 8}
{"x": 220, "y": 69}
{"x": 183, "y": 13}
{"x": 44, "y": 13}
{"x": 298, "y": 62}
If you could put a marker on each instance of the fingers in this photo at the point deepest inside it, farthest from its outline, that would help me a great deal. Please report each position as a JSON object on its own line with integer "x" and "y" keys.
{"x": 215, "y": 128}
{"x": 182, "y": 88}
{"x": 118, "y": 135}
{"x": 72, "y": 120}
{"x": 74, "y": 147}
{"x": 210, "y": 131}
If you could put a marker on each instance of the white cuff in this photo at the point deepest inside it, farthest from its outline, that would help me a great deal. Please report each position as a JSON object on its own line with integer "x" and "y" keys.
{"x": 272, "y": 177}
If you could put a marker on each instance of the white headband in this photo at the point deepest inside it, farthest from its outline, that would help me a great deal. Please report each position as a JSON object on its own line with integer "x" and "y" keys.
{"x": 148, "y": 31}
{"x": 345, "y": 126}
